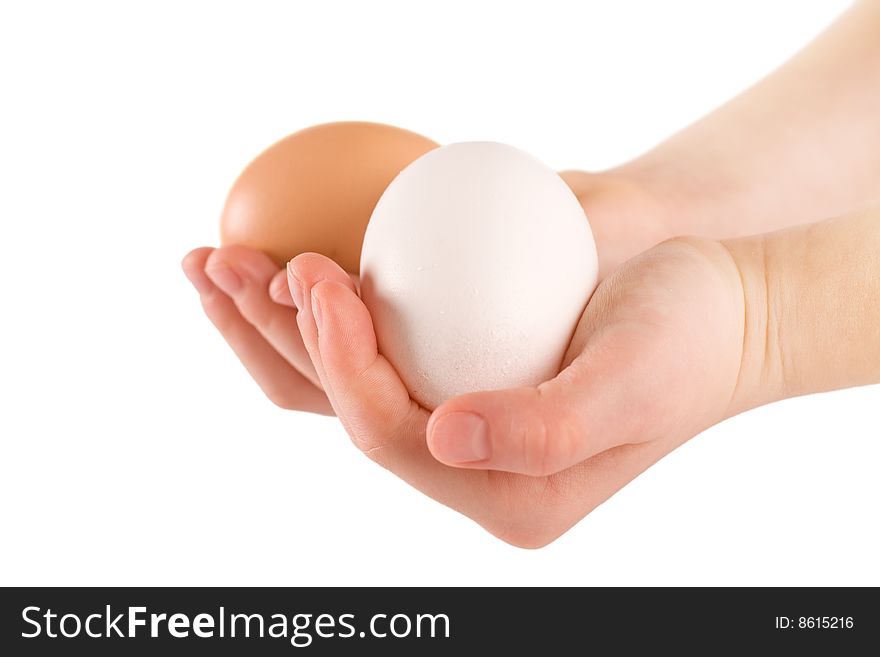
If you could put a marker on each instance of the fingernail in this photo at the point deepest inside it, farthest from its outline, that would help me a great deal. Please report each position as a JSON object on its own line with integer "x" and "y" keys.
{"x": 316, "y": 311}
{"x": 461, "y": 437}
{"x": 224, "y": 278}
{"x": 296, "y": 290}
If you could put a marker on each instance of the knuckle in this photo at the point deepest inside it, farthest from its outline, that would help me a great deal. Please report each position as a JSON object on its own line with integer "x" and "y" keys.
{"x": 536, "y": 447}
{"x": 566, "y": 440}
{"x": 550, "y": 442}
{"x": 254, "y": 308}
{"x": 375, "y": 436}
{"x": 364, "y": 438}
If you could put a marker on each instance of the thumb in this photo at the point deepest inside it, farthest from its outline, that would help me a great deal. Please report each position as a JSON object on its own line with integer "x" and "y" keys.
{"x": 537, "y": 430}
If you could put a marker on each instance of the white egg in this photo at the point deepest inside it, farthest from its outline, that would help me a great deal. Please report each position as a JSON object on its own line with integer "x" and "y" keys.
{"x": 477, "y": 263}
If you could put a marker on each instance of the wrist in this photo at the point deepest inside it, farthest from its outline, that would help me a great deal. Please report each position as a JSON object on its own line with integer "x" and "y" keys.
{"x": 761, "y": 377}
{"x": 812, "y": 309}
{"x": 823, "y": 282}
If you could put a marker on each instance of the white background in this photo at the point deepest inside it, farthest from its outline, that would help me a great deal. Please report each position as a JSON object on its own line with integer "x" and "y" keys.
{"x": 136, "y": 450}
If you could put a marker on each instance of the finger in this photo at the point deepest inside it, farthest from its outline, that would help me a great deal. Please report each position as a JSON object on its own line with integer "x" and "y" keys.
{"x": 308, "y": 272}
{"x": 367, "y": 393}
{"x": 591, "y": 406}
{"x": 303, "y": 272}
{"x": 278, "y": 379}
{"x": 244, "y": 275}
{"x": 279, "y": 290}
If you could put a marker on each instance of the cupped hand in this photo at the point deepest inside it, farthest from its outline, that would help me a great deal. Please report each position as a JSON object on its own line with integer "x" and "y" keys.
{"x": 246, "y": 297}
{"x": 655, "y": 359}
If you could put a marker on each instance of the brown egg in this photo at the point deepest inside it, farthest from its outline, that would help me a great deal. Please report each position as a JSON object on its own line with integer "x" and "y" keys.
{"x": 316, "y": 189}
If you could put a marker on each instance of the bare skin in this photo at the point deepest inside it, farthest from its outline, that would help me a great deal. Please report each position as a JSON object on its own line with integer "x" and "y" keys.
{"x": 674, "y": 341}
{"x": 680, "y": 334}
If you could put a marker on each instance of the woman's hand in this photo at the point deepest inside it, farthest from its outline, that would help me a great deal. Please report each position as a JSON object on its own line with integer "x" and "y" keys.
{"x": 655, "y": 359}
{"x": 678, "y": 338}
{"x": 246, "y": 296}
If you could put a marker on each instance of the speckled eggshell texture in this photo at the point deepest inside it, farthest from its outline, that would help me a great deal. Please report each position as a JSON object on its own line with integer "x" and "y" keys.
{"x": 476, "y": 265}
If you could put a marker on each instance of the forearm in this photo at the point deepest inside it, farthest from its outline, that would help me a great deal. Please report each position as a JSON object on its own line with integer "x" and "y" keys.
{"x": 812, "y": 308}
{"x": 801, "y": 145}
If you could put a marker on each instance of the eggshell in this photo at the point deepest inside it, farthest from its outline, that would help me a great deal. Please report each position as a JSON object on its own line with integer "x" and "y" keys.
{"x": 476, "y": 266}
{"x": 315, "y": 189}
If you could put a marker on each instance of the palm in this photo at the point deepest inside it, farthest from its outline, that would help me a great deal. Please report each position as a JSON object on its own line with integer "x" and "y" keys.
{"x": 654, "y": 360}
{"x": 655, "y": 355}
